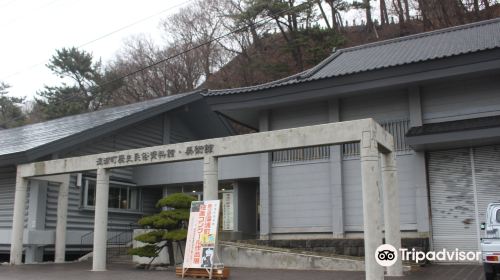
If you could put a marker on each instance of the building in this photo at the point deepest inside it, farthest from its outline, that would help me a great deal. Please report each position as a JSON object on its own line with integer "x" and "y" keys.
{"x": 438, "y": 93}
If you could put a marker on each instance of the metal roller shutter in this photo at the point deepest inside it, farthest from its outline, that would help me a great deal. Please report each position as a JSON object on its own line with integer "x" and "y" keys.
{"x": 487, "y": 174}
{"x": 452, "y": 200}
{"x": 454, "y": 189}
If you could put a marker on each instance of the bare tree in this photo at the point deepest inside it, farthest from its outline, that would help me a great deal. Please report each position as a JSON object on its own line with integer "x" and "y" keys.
{"x": 384, "y": 17}
{"x": 325, "y": 18}
{"x": 138, "y": 54}
{"x": 441, "y": 13}
{"x": 199, "y": 24}
{"x": 336, "y": 7}
{"x": 398, "y": 6}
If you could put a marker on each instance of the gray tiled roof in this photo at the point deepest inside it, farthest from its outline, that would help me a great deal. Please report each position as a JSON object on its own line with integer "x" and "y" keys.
{"x": 32, "y": 136}
{"x": 479, "y": 36}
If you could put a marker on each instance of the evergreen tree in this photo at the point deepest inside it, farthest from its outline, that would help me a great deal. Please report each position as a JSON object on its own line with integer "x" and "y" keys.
{"x": 11, "y": 114}
{"x": 80, "y": 89}
{"x": 167, "y": 227}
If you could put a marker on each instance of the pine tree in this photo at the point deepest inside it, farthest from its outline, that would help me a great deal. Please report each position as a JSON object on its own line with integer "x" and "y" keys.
{"x": 166, "y": 227}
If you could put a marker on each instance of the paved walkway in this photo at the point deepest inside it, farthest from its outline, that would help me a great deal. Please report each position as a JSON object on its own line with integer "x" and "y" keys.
{"x": 81, "y": 271}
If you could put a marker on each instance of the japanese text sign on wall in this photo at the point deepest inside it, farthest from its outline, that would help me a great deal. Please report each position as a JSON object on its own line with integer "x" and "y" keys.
{"x": 227, "y": 211}
{"x": 154, "y": 155}
{"x": 202, "y": 234}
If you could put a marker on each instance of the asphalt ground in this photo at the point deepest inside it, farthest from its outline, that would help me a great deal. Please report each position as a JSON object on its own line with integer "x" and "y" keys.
{"x": 81, "y": 271}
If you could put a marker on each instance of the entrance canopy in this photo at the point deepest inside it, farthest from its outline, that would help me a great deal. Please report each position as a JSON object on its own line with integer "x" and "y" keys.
{"x": 375, "y": 142}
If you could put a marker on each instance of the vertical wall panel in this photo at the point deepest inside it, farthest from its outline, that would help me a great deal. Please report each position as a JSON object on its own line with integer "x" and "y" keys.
{"x": 7, "y": 190}
{"x": 353, "y": 204}
{"x": 462, "y": 99}
{"x": 301, "y": 198}
{"x": 301, "y": 115}
{"x": 386, "y": 107}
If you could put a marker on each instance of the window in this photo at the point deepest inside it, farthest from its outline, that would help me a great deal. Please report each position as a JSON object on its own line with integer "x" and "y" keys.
{"x": 121, "y": 195}
{"x": 498, "y": 216}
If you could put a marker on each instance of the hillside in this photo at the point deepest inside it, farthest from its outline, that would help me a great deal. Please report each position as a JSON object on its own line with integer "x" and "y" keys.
{"x": 274, "y": 60}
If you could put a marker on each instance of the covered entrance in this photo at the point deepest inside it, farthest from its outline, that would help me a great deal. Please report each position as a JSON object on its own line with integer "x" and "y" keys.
{"x": 462, "y": 184}
{"x": 378, "y": 176}
{"x": 239, "y": 206}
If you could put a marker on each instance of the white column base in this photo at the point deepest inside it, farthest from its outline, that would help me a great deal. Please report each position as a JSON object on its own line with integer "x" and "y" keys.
{"x": 16, "y": 247}
{"x": 101, "y": 220}
{"x": 62, "y": 216}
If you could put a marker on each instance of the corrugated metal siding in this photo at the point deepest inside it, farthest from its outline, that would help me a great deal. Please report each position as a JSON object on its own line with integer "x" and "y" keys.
{"x": 297, "y": 116}
{"x": 452, "y": 200}
{"x": 353, "y": 203}
{"x": 462, "y": 99}
{"x": 7, "y": 194}
{"x": 390, "y": 106}
{"x": 301, "y": 198}
{"x": 300, "y": 115}
{"x": 7, "y": 190}
{"x": 83, "y": 219}
{"x": 147, "y": 133}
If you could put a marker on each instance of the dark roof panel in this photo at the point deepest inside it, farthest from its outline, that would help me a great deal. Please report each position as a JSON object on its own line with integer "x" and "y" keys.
{"x": 25, "y": 138}
{"x": 453, "y": 126}
{"x": 448, "y": 42}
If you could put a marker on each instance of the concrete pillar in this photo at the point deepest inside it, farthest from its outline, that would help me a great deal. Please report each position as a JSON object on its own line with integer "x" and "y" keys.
{"x": 336, "y": 176}
{"x": 390, "y": 192}
{"x": 265, "y": 182}
{"x": 210, "y": 178}
{"x": 370, "y": 182}
{"x": 101, "y": 220}
{"x": 62, "y": 217}
{"x": 36, "y": 218}
{"x": 16, "y": 247}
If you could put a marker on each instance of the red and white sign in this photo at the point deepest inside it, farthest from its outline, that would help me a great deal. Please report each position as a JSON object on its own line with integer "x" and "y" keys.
{"x": 202, "y": 234}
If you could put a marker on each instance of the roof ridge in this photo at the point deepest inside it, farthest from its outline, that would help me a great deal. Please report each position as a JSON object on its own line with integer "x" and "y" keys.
{"x": 285, "y": 79}
{"x": 421, "y": 35}
{"x": 320, "y": 65}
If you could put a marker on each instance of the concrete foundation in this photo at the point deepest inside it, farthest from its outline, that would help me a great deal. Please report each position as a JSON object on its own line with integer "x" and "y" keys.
{"x": 240, "y": 255}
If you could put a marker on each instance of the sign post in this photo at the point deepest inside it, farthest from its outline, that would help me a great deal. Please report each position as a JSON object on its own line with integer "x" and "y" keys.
{"x": 201, "y": 243}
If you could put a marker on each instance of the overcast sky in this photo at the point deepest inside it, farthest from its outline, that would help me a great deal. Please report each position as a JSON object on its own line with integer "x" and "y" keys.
{"x": 31, "y": 31}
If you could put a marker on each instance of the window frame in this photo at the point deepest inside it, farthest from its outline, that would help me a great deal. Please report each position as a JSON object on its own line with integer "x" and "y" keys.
{"x": 84, "y": 203}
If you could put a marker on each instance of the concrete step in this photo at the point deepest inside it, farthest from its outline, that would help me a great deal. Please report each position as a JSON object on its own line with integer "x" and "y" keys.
{"x": 237, "y": 254}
